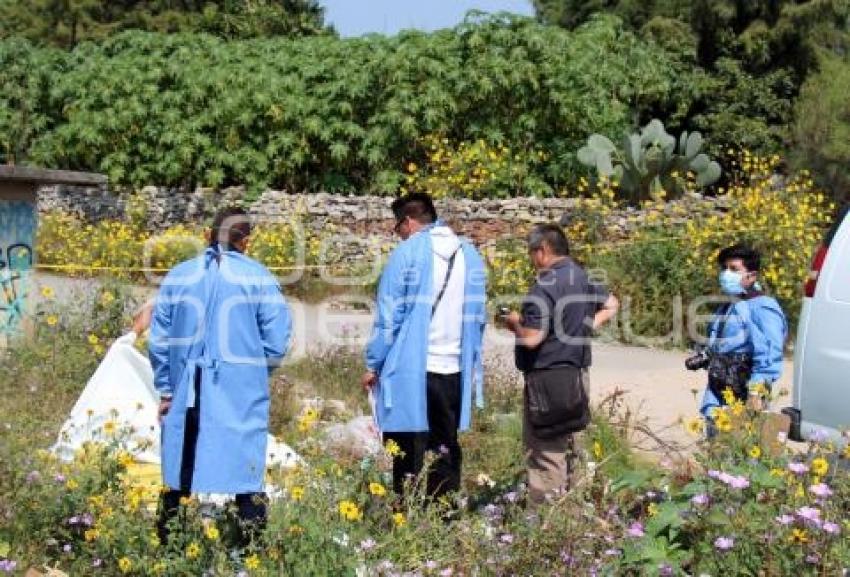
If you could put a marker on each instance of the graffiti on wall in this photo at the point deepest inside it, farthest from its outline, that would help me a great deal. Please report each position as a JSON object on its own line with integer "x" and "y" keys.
{"x": 17, "y": 232}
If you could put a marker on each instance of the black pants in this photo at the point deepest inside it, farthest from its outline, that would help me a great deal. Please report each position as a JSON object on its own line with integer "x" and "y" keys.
{"x": 443, "y": 400}
{"x": 250, "y": 507}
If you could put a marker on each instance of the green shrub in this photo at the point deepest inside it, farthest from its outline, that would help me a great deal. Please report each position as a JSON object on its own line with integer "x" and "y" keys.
{"x": 822, "y": 129}
{"x": 335, "y": 114}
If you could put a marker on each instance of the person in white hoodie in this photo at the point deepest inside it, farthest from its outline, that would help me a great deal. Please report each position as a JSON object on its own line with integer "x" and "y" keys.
{"x": 424, "y": 357}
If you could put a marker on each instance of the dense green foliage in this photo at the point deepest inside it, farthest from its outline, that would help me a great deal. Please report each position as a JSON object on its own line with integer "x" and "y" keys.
{"x": 763, "y": 34}
{"x": 324, "y": 112}
{"x": 67, "y": 22}
{"x": 24, "y": 102}
{"x": 755, "y": 55}
{"x": 320, "y": 112}
{"x": 822, "y": 130}
{"x": 636, "y": 13}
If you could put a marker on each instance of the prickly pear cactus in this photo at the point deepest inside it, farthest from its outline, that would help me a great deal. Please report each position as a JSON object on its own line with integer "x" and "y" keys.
{"x": 651, "y": 162}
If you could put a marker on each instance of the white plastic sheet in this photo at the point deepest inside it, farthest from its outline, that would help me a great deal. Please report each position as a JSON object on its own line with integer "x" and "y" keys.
{"x": 121, "y": 393}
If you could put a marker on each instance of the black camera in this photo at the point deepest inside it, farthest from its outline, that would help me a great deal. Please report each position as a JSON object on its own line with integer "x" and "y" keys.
{"x": 698, "y": 361}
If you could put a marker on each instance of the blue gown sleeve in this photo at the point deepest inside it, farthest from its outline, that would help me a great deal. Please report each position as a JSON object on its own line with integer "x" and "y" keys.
{"x": 391, "y": 307}
{"x": 767, "y": 332}
{"x": 275, "y": 324}
{"x": 478, "y": 369}
{"x": 158, "y": 342}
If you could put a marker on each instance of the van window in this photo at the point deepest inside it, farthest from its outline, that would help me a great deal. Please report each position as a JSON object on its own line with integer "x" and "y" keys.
{"x": 842, "y": 214}
{"x": 839, "y": 259}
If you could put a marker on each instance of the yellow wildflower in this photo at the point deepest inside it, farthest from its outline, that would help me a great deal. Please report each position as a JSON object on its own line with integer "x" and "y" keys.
{"x": 47, "y": 292}
{"x": 728, "y": 396}
{"x": 755, "y": 452}
{"x": 652, "y": 509}
{"x": 820, "y": 466}
{"x": 399, "y": 520}
{"x": 124, "y": 564}
{"x": 252, "y": 562}
{"x": 211, "y": 533}
{"x": 91, "y": 534}
{"x": 72, "y": 484}
{"x": 93, "y": 339}
{"x": 392, "y": 448}
{"x": 377, "y": 489}
{"x": 760, "y": 390}
{"x": 125, "y": 459}
{"x": 193, "y": 550}
{"x": 109, "y": 427}
{"x": 350, "y": 511}
{"x": 722, "y": 421}
{"x": 297, "y": 493}
{"x": 799, "y": 536}
{"x": 694, "y": 426}
{"x": 737, "y": 408}
{"x": 52, "y": 320}
{"x": 597, "y": 449}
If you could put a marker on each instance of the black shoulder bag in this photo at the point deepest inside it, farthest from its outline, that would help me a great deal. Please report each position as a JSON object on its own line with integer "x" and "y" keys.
{"x": 445, "y": 282}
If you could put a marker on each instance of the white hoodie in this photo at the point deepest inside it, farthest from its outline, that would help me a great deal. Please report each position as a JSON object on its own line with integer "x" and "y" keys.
{"x": 444, "y": 336}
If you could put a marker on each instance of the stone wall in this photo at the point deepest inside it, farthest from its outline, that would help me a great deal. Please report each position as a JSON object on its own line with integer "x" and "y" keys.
{"x": 483, "y": 221}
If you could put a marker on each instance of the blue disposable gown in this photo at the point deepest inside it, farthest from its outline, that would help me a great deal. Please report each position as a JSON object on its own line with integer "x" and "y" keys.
{"x": 756, "y": 326}
{"x": 230, "y": 319}
{"x": 398, "y": 348}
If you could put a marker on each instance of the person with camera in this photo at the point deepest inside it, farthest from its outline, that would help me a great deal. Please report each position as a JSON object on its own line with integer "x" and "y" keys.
{"x": 746, "y": 337}
{"x": 553, "y": 330}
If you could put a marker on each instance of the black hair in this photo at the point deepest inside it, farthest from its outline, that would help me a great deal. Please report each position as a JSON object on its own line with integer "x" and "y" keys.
{"x": 748, "y": 255}
{"x": 551, "y": 234}
{"x": 230, "y": 226}
{"x": 417, "y": 205}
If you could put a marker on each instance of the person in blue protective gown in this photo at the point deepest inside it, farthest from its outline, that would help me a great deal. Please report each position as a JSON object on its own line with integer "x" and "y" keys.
{"x": 424, "y": 357}
{"x": 219, "y": 327}
{"x": 746, "y": 336}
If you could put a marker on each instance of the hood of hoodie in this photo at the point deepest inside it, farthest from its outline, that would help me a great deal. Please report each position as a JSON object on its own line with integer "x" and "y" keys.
{"x": 444, "y": 241}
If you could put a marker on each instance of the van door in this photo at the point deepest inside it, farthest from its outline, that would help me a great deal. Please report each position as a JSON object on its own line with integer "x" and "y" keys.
{"x": 823, "y": 385}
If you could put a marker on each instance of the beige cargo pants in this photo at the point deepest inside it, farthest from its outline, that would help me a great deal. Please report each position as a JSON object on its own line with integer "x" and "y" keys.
{"x": 552, "y": 462}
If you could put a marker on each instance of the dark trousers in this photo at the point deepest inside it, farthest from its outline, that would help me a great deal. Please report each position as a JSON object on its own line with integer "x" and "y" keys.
{"x": 443, "y": 400}
{"x": 250, "y": 507}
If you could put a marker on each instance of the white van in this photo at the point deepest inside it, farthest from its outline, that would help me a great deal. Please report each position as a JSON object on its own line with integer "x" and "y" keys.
{"x": 821, "y": 399}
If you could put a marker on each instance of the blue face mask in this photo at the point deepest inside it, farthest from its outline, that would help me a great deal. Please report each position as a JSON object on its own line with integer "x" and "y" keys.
{"x": 731, "y": 283}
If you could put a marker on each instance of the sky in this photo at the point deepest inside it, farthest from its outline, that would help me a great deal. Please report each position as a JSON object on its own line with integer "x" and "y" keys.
{"x": 358, "y": 17}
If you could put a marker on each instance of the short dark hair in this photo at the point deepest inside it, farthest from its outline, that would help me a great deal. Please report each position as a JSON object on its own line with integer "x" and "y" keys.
{"x": 748, "y": 255}
{"x": 551, "y": 234}
{"x": 230, "y": 225}
{"x": 417, "y": 205}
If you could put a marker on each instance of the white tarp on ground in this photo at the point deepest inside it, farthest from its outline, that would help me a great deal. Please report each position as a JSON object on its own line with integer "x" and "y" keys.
{"x": 121, "y": 393}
